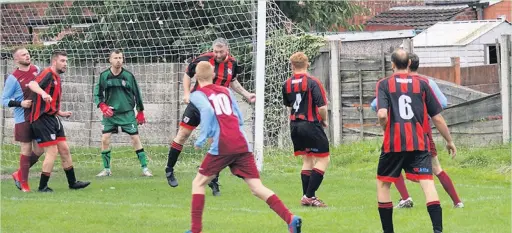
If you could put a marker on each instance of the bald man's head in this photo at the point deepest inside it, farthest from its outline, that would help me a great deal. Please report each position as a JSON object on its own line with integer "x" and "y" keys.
{"x": 400, "y": 59}
{"x": 204, "y": 72}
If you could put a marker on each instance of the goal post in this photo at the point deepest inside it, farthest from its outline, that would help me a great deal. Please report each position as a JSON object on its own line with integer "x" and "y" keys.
{"x": 260, "y": 83}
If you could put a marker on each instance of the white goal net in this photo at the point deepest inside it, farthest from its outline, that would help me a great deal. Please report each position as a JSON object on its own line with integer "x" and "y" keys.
{"x": 157, "y": 39}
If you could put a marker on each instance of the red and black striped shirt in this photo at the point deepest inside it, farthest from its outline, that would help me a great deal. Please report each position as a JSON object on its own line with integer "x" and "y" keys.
{"x": 225, "y": 72}
{"x": 304, "y": 94}
{"x": 409, "y": 100}
{"x": 49, "y": 81}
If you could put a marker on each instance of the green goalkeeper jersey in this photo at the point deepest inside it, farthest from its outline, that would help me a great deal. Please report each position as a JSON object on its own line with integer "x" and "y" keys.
{"x": 120, "y": 92}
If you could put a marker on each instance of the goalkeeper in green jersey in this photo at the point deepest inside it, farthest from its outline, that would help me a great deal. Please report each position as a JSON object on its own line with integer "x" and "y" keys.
{"x": 116, "y": 95}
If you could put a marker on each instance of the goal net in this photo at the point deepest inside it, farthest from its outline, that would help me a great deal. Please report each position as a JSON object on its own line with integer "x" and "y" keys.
{"x": 157, "y": 38}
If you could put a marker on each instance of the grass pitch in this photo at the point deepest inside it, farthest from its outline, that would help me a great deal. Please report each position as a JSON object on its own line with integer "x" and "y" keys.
{"x": 127, "y": 202}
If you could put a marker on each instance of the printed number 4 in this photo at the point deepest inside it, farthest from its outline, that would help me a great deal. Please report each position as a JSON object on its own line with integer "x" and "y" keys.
{"x": 298, "y": 99}
{"x": 221, "y": 104}
{"x": 404, "y": 105}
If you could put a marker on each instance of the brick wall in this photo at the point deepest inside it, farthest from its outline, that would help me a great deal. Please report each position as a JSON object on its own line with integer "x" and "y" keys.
{"x": 15, "y": 16}
{"x": 467, "y": 14}
{"x": 502, "y": 8}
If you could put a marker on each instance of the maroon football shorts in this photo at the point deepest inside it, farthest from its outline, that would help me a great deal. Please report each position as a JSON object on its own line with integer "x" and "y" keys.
{"x": 23, "y": 132}
{"x": 242, "y": 165}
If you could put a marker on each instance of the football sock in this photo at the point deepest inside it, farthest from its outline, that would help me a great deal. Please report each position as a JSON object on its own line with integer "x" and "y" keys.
{"x": 172, "y": 157}
{"x": 43, "y": 182}
{"x": 24, "y": 167}
{"x": 33, "y": 159}
{"x": 304, "y": 176}
{"x": 386, "y": 216}
{"x": 402, "y": 189}
{"x": 70, "y": 175}
{"x": 448, "y": 186}
{"x": 278, "y": 206}
{"x": 314, "y": 182}
{"x": 216, "y": 179}
{"x": 436, "y": 215}
{"x": 105, "y": 156}
{"x": 141, "y": 155}
{"x": 197, "y": 212}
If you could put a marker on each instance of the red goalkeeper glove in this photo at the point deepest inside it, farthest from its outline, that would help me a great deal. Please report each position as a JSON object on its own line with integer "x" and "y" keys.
{"x": 140, "y": 118}
{"x": 107, "y": 110}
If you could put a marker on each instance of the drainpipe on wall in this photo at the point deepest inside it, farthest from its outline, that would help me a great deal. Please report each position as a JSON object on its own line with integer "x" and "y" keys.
{"x": 479, "y": 7}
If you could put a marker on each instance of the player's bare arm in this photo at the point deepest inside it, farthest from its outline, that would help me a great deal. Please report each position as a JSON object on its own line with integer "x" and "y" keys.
{"x": 323, "y": 113}
{"x": 64, "y": 113}
{"x": 238, "y": 88}
{"x": 186, "y": 88}
{"x": 382, "y": 115}
{"x": 34, "y": 86}
{"x": 440, "y": 124}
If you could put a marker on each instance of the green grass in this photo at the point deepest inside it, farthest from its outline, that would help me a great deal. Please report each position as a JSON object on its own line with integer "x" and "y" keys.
{"x": 127, "y": 202}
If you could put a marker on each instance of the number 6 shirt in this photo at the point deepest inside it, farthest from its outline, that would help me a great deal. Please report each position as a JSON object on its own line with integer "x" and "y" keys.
{"x": 409, "y": 100}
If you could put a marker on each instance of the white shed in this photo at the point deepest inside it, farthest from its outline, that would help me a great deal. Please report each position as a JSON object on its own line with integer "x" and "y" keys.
{"x": 473, "y": 41}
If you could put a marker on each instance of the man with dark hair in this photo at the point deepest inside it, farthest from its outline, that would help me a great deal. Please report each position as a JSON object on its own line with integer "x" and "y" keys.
{"x": 415, "y": 62}
{"x": 405, "y": 200}
{"x": 116, "y": 94}
{"x": 404, "y": 103}
{"x": 16, "y": 94}
{"x": 46, "y": 124}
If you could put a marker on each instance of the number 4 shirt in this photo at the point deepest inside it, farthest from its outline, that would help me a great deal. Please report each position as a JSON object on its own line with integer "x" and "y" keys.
{"x": 409, "y": 100}
{"x": 304, "y": 94}
{"x": 221, "y": 120}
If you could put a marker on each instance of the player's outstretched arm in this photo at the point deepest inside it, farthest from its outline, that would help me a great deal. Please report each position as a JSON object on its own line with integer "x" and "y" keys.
{"x": 442, "y": 127}
{"x": 438, "y": 93}
{"x": 236, "y": 109}
{"x": 34, "y": 86}
{"x": 434, "y": 109}
{"x": 236, "y": 86}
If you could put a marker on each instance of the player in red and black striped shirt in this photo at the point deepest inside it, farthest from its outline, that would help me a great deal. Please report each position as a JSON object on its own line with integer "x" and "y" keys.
{"x": 306, "y": 100}
{"x": 226, "y": 70}
{"x": 46, "y": 125}
{"x": 405, "y": 102}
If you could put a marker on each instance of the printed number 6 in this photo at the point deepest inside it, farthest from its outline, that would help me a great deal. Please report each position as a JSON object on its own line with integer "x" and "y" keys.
{"x": 404, "y": 105}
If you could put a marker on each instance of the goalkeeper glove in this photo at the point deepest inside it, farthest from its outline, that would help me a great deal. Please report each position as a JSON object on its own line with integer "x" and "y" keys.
{"x": 107, "y": 110}
{"x": 140, "y": 118}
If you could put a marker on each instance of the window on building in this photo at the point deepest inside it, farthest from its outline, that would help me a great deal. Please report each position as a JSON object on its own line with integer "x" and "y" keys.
{"x": 493, "y": 54}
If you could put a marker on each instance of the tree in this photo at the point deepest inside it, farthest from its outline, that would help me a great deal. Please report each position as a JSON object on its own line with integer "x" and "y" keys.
{"x": 322, "y": 16}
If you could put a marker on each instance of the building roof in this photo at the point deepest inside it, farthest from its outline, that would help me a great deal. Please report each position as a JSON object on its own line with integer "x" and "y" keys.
{"x": 455, "y": 33}
{"x": 371, "y": 35}
{"x": 418, "y": 17}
